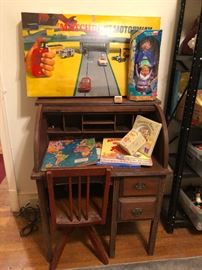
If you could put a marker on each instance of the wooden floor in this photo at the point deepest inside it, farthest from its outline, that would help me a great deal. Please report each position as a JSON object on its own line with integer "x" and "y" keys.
{"x": 26, "y": 253}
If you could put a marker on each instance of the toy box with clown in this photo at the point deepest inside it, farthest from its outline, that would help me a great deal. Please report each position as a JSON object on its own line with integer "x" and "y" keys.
{"x": 143, "y": 64}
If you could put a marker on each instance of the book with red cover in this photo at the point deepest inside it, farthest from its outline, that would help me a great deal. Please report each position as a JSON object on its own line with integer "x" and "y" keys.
{"x": 113, "y": 154}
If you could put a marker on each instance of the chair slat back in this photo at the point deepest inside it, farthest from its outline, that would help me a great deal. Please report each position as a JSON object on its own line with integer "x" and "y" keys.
{"x": 78, "y": 208}
{"x": 70, "y": 197}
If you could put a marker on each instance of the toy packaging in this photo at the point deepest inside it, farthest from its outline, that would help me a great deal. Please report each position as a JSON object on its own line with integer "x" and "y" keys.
{"x": 143, "y": 64}
{"x": 73, "y": 55}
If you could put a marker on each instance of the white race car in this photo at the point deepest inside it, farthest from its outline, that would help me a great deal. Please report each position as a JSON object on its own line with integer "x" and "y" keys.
{"x": 102, "y": 61}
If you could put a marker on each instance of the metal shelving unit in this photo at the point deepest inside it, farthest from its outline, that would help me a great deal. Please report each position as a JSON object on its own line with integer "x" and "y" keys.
{"x": 191, "y": 92}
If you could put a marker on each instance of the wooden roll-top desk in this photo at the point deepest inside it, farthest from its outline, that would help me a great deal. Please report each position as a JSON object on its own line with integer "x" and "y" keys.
{"x": 136, "y": 192}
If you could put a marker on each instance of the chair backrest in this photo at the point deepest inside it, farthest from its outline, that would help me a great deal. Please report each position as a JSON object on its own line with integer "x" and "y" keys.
{"x": 78, "y": 206}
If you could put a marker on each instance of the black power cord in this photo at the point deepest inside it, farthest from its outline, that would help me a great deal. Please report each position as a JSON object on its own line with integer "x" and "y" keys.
{"x": 32, "y": 216}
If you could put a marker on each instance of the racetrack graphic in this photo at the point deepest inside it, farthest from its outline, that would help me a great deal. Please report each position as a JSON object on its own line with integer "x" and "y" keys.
{"x": 103, "y": 82}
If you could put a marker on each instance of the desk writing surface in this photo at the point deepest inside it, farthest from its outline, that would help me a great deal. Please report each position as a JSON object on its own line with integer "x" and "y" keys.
{"x": 155, "y": 170}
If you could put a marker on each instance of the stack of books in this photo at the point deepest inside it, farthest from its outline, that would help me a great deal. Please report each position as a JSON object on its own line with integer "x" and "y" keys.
{"x": 135, "y": 148}
{"x": 113, "y": 154}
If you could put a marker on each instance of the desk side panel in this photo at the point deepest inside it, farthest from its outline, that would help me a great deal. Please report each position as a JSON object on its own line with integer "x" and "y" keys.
{"x": 40, "y": 138}
{"x": 161, "y": 150}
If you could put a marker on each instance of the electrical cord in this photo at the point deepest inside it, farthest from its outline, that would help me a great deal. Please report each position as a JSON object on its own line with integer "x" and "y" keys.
{"x": 32, "y": 216}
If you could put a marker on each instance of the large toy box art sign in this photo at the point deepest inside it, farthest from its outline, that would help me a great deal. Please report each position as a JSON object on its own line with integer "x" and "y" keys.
{"x": 78, "y": 55}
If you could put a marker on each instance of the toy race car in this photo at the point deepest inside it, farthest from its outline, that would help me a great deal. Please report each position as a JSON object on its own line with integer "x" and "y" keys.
{"x": 102, "y": 61}
{"x": 66, "y": 52}
{"x": 85, "y": 84}
{"x": 118, "y": 58}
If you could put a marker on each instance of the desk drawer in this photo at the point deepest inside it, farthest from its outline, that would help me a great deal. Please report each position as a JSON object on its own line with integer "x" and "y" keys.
{"x": 136, "y": 208}
{"x": 139, "y": 186}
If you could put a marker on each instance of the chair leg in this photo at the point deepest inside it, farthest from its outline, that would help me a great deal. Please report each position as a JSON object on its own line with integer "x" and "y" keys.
{"x": 97, "y": 244}
{"x": 58, "y": 251}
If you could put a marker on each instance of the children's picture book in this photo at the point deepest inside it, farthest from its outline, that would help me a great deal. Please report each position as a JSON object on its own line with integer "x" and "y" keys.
{"x": 113, "y": 154}
{"x": 143, "y": 64}
{"x": 150, "y": 130}
{"x": 132, "y": 141}
{"x": 78, "y": 55}
{"x": 70, "y": 153}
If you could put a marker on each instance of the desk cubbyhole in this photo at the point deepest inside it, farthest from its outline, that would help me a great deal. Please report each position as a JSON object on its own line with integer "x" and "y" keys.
{"x": 98, "y": 127}
{"x": 73, "y": 122}
{"x": 98, "y": 122}
{"x": 55, "y": 122}
{"x": 124, "y": 122}
{"x": 98, "y": 118}
{"x": 151, "y": 116}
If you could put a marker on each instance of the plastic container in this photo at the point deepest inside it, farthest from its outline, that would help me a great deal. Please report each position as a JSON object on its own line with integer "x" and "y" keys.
{"x": 194, "y": 156}
{"x": 193, "y": 212}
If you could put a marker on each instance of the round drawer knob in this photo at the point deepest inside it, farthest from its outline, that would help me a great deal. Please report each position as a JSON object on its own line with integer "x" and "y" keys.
{"x": 137, "y": 211}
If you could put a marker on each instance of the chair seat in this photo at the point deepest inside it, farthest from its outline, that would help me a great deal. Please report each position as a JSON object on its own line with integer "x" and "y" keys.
{"x": 63, "y": 213}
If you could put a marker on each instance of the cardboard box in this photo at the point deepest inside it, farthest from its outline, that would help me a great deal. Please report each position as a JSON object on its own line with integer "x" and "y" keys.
{"x": 180, "y": 109}
{"x": 197, "y": 113}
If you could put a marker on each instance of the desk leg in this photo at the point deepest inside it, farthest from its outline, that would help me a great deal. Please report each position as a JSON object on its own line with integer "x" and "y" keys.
{"x": 154, "y": 222}
{"x": 44, "y": 219}
{"x": 113, "y": 231}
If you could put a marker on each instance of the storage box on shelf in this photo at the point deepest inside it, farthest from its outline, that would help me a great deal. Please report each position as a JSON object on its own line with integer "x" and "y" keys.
{"x": 194, "y": 157}
{"x": 191, "y": 210}
{"x": 197, "y": 112}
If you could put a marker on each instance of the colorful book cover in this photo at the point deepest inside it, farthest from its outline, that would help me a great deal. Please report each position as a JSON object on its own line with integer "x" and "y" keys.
{"x": 132, "y": 141}
{"x": 70, "y": 153}
{"x": 69, "y": 55}
{"x": 113, "y": 154}
{"x": 143, "y": 64}
{"x": 150, "y": 130}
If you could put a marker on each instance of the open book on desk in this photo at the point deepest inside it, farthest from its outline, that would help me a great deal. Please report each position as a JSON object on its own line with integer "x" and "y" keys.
{"x": 70, "y": 153}
{"x": 114, "y": 155}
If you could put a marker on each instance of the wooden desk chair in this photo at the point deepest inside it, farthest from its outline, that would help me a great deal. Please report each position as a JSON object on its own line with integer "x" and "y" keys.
{"x": 79, "y": 207}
